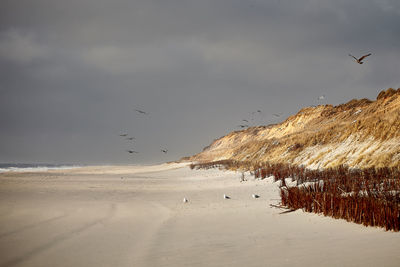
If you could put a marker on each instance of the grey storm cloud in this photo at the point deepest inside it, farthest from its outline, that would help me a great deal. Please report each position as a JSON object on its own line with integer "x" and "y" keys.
{"x": 73, "y": 72}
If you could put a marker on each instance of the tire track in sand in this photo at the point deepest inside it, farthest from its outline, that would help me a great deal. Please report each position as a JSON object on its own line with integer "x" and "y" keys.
{"x": 33, "y": 225}
{"x": 60, "y": 238}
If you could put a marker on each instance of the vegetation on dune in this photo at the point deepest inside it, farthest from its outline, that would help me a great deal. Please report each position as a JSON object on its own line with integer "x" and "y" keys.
{"x": 360, "y": 133}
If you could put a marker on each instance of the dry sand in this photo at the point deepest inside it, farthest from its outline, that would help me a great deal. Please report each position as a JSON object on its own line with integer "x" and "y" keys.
{"x": 135, "y": 216}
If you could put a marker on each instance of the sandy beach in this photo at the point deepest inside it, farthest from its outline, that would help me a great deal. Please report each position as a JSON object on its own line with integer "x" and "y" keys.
{"x": 135, "y": 216}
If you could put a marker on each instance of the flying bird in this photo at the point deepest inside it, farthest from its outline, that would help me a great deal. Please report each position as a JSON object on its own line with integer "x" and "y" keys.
{"x": 321, "y": 97}
{"x": 277, "y": 115}
{"x": 132, "y": 151}
{"x": 359, "y": 60}
{"x": 164, "y": 151}
{"x": 124, "y": 134}
{"x": 141, "y": 112}
{"x": 243, "y": 126}
{"x": 130, "y": 138}
{"x": 245, "y": 121}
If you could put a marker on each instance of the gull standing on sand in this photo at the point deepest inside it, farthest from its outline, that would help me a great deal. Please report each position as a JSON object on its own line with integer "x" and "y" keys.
{"x": 226, "y": 197}
{"x": 255, "y": 196}
{"x": 185, "y": 200}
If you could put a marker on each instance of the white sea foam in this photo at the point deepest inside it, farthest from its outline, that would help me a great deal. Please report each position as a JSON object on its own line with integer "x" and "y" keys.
{"x": 34, "y": 168}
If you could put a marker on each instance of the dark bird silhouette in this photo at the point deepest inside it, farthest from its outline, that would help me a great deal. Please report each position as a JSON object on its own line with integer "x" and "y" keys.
{"x": 276, "y": 115}
{"x": 245, "y": 121}
{"x": 132, "y": 151}
{"x": 164, "y": 151}
{"x": 359, "y": 60}
{"x": 130, "y": 138}
{"x": 141, "y": 112}
{"x": 124, "y": 134}
{"x": 243, "y": 126}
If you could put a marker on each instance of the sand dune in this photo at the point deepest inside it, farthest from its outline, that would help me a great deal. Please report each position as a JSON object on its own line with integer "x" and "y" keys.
{"x": 135, "y": 216}
{"x": 360, "y": 134}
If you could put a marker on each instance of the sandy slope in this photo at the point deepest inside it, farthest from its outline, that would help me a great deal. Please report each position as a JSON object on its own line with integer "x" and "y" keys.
{"x": 93, "y": 217}
{"x": 360, "y": 133}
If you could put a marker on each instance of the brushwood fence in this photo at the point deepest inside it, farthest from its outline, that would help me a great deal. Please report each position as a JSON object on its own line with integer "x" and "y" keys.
{"x": 366, "y": 196}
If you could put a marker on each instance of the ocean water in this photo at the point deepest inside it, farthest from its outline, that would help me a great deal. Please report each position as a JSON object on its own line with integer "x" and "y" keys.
{"x": 34, "y": 167}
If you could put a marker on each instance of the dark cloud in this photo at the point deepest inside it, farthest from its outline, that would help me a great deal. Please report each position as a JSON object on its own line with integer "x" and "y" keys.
{"x": 74, "y": 71}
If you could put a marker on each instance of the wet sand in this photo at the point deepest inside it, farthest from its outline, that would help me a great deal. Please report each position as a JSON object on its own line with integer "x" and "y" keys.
{"x": 135, "y": 216}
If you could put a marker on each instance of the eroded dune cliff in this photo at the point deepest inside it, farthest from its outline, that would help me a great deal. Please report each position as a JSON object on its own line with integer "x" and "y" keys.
{"x": 360, "y": 133}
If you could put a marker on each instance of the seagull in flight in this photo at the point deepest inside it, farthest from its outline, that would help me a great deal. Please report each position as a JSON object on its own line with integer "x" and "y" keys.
{"x": 124, "y": 134}
{"x": 243, "y": 126}
{"x": 141, "y": 112}
{"x": 359, "y": 60}
{"x": 321, "y": 97}
{"x": 277, "y": 115}
{"x": 164, "y": 151}
{"x": 130, "y": 138}
{"x": 132, "y": 151}
{"x": 254, "y": 112}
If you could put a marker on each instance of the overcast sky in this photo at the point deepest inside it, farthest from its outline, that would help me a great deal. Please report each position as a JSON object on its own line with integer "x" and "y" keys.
{"x": 73, "y": 72}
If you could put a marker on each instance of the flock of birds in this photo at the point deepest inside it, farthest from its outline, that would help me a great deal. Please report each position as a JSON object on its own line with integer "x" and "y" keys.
{"x": 246, "y": 123}
{"x": 131, "y": 138}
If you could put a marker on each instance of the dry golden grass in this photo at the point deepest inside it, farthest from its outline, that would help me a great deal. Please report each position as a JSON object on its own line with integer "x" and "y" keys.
{"x": 339, "y": 135}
